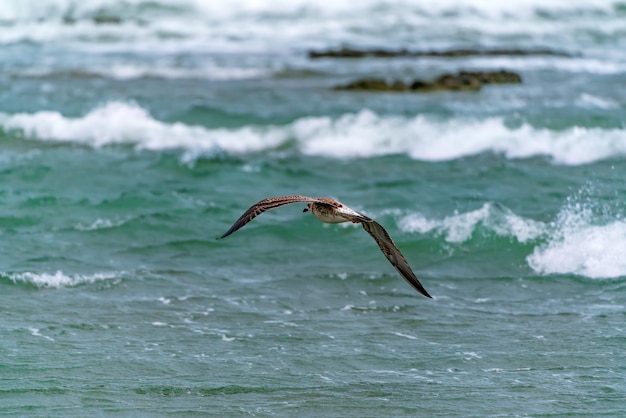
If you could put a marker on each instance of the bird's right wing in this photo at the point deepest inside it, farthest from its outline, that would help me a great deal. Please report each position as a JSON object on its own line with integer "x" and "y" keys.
{"x": 266, "y": 204}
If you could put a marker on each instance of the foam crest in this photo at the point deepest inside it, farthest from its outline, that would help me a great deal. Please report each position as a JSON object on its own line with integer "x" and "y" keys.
{"x": 582, "y": 244}
{"x": 583, "y": 240}
{"x": 420, "y": 138}
{"x": 459, "y": 228}
{"x": 595, "y": 251}
{"x": 123, "y": 123}
{"x": 431, "y": 140}
{"x": 58, "y": 279}
{"x": 100, "y": 224}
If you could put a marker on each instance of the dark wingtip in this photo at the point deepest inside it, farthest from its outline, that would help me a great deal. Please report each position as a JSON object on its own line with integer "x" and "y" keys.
{"x": 227, "y": 233}
{"x": 422, "y": 291}
{"x": 418, "y": 286}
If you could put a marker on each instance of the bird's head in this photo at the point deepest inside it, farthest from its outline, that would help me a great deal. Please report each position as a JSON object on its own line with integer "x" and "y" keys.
{"x": 309, "y": 207}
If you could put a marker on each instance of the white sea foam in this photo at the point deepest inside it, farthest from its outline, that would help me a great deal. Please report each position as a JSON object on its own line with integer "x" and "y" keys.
{"x": 419, "y": 137}
{"x": 459, "y": 227}
{"x": 162, "y": 25}
{"x": 582, "y": 240}
{"x": 585, "y": 239}
{"x": 426, "y": 139}
{"x": 410, "y": 337}
{"x": 58, "y": 279}
{"x": 122, "y": 123}
{"x": 136, "y": 70}
{"x": 582, "y": 64}
{"x": 208, "y": 71}
{"x": 595, "y": 251}
{"x": 580, "y": 244}
{"x": 99, "y": 224}
{"x": 57, "y": 9}
{"x": 593, "y": 101}
{"x": 35, "y": 332}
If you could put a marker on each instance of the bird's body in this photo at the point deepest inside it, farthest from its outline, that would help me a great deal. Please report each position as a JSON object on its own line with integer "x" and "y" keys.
{"x": 331, "y": 211}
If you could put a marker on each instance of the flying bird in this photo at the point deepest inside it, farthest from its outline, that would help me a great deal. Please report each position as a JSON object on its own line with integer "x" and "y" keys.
{"x": 331, "y": 211}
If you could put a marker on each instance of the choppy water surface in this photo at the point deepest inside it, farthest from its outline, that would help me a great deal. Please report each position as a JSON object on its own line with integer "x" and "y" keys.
{"x": 132, "y": 134}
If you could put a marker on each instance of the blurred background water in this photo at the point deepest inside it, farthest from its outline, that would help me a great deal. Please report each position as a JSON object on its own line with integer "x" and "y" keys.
{"x": 134, "y": 132}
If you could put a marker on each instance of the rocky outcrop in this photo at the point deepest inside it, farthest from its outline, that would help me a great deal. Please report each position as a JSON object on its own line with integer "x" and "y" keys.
{"x": 375, "y": 84}
{"x": 450, "y": 53}
{"x": 462, "y": 81}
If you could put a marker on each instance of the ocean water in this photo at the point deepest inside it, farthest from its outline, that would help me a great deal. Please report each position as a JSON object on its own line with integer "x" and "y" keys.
{"x": 135, "y": 132}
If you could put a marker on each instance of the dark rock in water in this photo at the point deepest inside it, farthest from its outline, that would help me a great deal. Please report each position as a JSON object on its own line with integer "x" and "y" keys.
{"x": 98, "y": 19}
{"x": 449, "y": 82}
{"x": 358, "y": 53}
{"x": 494, "y": 77}
{"x": 375, "y": 84}
{"x": 462, "y": 81}
{"x": 451, "y": 53}
{"x": 107, "y": 20}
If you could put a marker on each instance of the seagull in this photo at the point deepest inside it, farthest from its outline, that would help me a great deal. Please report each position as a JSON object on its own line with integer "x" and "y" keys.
{"x": 331, "y": 211}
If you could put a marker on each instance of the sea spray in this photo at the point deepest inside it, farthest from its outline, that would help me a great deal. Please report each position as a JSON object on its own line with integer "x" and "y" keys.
{"x": 587, "y": 238}
{"x": 460, "y": 227}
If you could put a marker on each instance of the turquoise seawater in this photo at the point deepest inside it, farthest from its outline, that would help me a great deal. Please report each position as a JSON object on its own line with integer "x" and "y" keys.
{"x": 134, "y": 133}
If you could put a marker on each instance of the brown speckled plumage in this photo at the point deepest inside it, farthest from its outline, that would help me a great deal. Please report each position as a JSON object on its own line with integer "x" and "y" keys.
{"x": 331, "y": 211}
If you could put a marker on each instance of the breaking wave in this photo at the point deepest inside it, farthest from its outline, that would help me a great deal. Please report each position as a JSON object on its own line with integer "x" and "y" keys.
{"x": 460, "y": 227}
{"x": 420, "y": 137}
{"x": 57, "y": 279}
{"x": 584, "y": 243}
{"x": 579, "y": 241}
{"x": 122, "y": 123}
